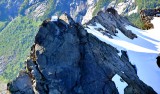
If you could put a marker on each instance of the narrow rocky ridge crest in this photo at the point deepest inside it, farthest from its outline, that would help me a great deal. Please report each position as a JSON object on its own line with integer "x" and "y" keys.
{"x": 65, "y": 59}
{"x": 111, "y": 21}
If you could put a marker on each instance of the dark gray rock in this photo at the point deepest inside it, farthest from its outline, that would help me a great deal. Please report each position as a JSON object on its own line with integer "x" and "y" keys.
{"x": 112, "y": 21}
{"x": 75, "y": 62}
{"x": 22, "y": 84}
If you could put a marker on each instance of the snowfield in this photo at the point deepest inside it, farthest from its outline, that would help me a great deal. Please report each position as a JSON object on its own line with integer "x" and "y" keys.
{"x": 119, "y": 84}
{"x": 142, "y": 51}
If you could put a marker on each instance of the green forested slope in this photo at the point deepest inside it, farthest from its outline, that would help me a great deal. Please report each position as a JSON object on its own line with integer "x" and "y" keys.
{"x": 15, "y": 43}
{"x": 142, "y": 4}
{"x": 134, "y": 18}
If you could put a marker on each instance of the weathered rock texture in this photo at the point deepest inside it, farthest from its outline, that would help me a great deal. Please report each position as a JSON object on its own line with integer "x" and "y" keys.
{"x": 112, "y": 21}
{"x": 147, "y": 15}
{"x": 65, "y": 59}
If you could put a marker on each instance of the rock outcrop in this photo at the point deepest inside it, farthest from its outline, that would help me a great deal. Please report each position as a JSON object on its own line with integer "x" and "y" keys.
{"x": 158, "y": 61}
{"x": 147, "y": 15}
{"x": 110, "y": 20}
{"x": 65, "y": 59}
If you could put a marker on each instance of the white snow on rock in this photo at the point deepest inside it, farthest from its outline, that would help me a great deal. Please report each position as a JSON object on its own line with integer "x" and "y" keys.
{"x": 133, "y": 11}
{"x": 120, "y": 41}
{"x": 91, "y": 8}
{"x": 90, "y": 2}
{"x": 122, "y": 6}
{"x": 88, "y": 15}
{"x": 119, "y": 84}
{"x": 142, "y": 51}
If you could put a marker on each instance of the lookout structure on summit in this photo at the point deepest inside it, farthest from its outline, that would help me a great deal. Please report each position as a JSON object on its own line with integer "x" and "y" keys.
{"x": 54, "y": 18}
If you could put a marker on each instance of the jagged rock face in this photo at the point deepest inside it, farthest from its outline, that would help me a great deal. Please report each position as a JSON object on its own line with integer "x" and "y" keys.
{"x": 150, "y": 12}
{"x": 147, "y": 15}
{"x": 112, "y": 21}
{"x": 65, "y": 59}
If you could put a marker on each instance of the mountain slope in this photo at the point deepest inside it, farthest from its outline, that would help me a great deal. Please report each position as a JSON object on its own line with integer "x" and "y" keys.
{"x": 66, "y": 59}
{"x": 15, "y": 43}
{"x": 38, "y": 10}
{"x": 142, "y": 51}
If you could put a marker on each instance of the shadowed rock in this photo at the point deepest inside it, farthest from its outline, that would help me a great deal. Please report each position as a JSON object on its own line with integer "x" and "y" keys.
{"x": 68, "y": 60}
{"x": 158, "y": 61}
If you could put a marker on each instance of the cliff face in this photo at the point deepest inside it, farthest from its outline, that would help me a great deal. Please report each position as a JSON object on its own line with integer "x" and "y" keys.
{"x": 65, "y": 59}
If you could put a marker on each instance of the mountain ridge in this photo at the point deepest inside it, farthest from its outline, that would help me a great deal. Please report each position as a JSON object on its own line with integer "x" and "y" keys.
{"x": 66, "y": 59}
{"x": 146, "y": 44}
{"x": 17, "y": 30}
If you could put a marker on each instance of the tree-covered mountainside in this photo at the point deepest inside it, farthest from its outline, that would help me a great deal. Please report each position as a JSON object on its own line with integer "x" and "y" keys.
{"x": 2, "y": 24}
{"x": 20, "y": 19}
{"x": 15, "y": 43}
{"x": 148, "y": 3}
{"x": 134, "y": 17}
{"x": 142, "y": 4}
{"x": 100, "y": 4}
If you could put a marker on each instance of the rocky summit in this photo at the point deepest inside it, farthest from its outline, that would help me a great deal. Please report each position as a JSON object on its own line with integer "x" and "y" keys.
{"x": 111, "y": 21}
{"x": 65, "y": 59}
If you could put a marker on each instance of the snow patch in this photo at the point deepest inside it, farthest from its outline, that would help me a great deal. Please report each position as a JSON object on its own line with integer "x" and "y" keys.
{"x": 88, "y": 15}
{"x": 89, "y": 12}
{"x": 133, "y": 1}
{"x": 99, "y": 26}
{"x": 122, "y": 6}
{"x": 117, "y": 42}
{"x": 148, "y": 70}
{"x": 90, "y": 2}
{"x": 120, "y": 54}
{"x": 133, "y": 11}
{"x": 142, "y": 51}
{"x": 119, "y": 84}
